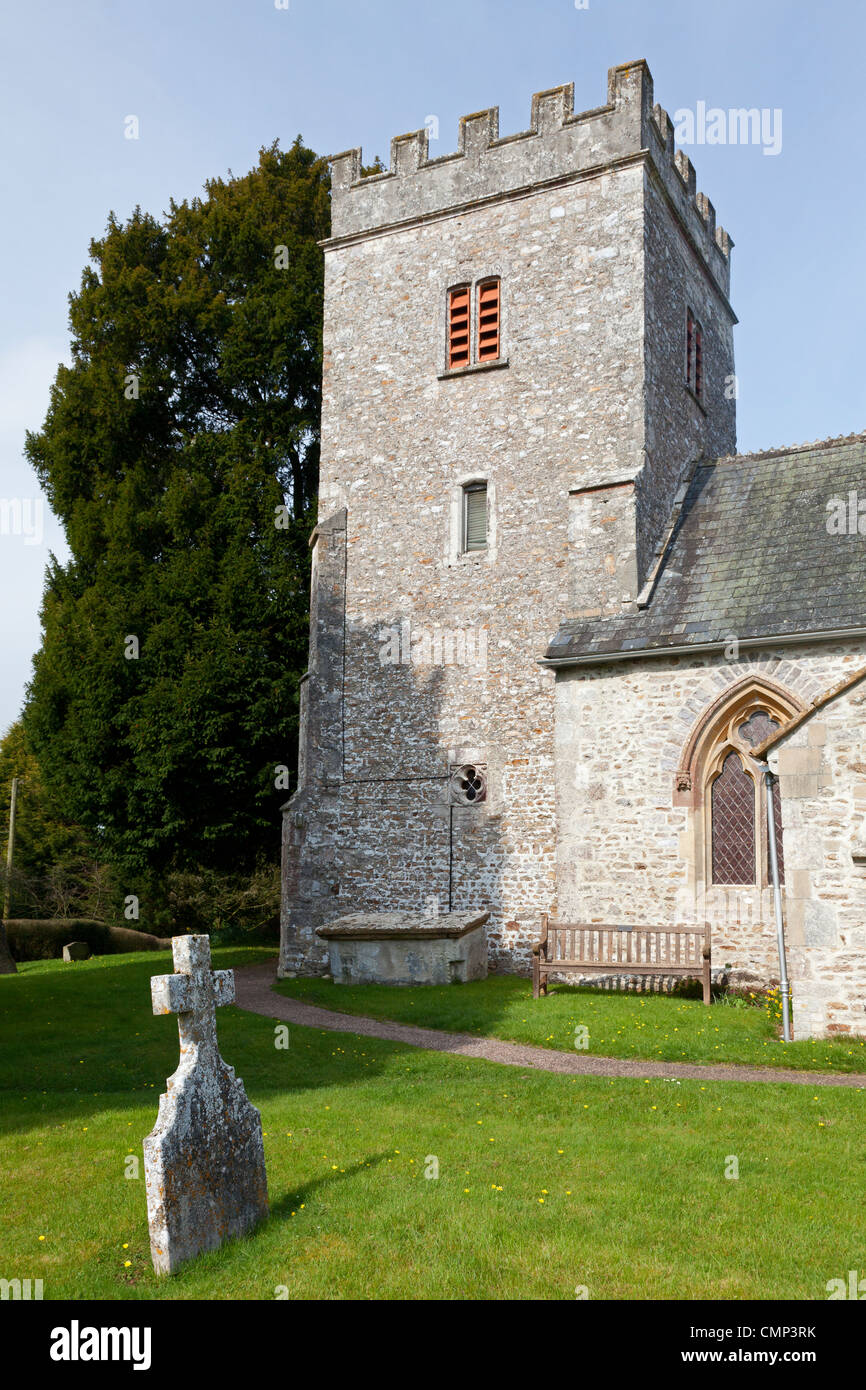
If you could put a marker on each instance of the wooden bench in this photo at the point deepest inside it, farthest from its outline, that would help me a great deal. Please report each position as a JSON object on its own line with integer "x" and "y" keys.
{"x": 589, "y": 949}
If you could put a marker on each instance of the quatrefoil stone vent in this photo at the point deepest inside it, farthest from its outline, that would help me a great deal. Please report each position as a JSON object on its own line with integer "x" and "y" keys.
{"x": 468, "y": 784}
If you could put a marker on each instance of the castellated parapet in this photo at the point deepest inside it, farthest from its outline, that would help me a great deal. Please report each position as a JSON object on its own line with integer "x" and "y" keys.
{"x": 560, "y": 146}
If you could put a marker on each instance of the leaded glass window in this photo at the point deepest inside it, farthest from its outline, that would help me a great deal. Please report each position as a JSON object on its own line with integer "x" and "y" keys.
{"x": 733, "y": 811}
{"x": 738, "y": 804}
{"x": 757, "y": 727}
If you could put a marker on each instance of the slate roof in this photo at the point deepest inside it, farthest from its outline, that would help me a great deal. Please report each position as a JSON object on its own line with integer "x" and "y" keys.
{"x": 750, "y": 555}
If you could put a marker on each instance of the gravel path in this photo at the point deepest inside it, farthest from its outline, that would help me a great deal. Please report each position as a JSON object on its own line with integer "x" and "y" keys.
{"x": 254, "y": 993}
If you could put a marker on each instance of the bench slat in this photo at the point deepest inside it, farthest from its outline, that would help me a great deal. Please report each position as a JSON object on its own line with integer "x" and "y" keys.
{"x": 606, "y": 967}
{"x": 599, "y": 948}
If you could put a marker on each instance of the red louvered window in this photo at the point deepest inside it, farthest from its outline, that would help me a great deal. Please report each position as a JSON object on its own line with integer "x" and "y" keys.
{"x": 458, "y": 327}
{"x": 488, "y": 321}
{"x": 733, "y": 827}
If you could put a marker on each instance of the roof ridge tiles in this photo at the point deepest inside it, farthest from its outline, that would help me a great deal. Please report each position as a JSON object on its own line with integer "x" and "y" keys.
{"x": 782, "y": 450}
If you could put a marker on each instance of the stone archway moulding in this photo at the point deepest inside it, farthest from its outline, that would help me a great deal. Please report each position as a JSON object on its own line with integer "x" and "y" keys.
{"x": 735, "y": 703}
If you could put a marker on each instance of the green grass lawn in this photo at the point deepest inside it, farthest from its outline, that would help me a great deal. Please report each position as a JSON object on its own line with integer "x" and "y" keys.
{"x": 655, "y": 1026}
{"x": 545, "y": 1183}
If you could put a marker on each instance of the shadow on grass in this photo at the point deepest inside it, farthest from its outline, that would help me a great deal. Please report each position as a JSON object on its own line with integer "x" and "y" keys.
{"x": 672, "y": 1027}
{"x": 84, "y": 1041}
{"x": 291, "y": 1201}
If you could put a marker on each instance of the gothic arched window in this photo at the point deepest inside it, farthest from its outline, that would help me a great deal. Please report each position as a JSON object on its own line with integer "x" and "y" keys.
{"x": 736, "y": 799}
{"x": 719, "y": 779}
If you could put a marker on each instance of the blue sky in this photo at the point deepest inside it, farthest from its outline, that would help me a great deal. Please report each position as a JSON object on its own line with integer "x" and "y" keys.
{"x": 212, "y": 80}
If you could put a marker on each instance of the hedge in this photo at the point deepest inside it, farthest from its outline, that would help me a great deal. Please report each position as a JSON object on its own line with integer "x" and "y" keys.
{"x": 44, "y": 939}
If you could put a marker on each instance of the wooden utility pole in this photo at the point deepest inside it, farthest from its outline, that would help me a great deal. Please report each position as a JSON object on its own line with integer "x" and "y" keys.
{"x": 7, "y": 964}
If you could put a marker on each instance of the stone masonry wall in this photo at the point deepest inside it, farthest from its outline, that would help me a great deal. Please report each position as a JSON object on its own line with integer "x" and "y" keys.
{"x": 561, "y": 217}
{"x": 626, "y": 849}
{"x": 678, "y": 426}
{"x": 822, "y": 779}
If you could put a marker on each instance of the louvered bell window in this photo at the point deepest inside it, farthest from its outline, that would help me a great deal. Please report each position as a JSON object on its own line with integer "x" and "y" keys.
{"x": 475, "y": 517}
{"x": 458, "y": 327}
{"x": 488, "y": 321}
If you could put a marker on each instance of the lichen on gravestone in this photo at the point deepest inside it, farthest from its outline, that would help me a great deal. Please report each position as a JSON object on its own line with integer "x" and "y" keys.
{"x": 204, "y": 1159}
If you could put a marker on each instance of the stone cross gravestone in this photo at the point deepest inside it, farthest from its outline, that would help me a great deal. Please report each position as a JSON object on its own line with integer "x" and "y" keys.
{"x": 204, "y": 1160}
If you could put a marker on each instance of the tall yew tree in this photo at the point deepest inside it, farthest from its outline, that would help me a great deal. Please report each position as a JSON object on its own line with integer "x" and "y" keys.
{"x": 180, "y": 451}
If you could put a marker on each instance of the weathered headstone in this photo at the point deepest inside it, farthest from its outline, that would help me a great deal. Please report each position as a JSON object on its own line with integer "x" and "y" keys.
{"x": 76, "y": 950}
{"x": 204, "y": 1160}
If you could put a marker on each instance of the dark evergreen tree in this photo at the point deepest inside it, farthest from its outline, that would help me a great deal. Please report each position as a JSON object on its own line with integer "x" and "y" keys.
{"x": 180, "y": 451}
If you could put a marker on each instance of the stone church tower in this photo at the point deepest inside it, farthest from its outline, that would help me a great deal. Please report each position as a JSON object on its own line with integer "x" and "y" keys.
{"x": 505, "y": 432}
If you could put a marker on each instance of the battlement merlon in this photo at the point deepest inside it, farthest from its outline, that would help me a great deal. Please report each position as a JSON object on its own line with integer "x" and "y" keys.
{"x": 558, "y": 145}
